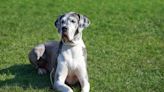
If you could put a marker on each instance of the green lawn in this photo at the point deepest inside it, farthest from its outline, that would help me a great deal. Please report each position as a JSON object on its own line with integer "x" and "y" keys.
{"x": 125, "y": 43}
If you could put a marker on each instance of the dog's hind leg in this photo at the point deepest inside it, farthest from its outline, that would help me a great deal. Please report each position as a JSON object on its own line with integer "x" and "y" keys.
{"x": 60, "y": 77}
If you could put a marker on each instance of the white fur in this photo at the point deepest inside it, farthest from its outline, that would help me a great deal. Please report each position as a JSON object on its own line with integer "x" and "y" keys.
{"x": 71, "y": 61}
{"x": 39, "y": 50}
{"x": 41, "y": 71}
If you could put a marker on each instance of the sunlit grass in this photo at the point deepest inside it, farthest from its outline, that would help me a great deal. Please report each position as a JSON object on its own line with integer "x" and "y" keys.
{"x": 125, "y": 43}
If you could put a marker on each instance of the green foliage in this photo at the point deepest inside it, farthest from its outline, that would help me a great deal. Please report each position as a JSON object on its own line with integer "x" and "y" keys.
{"x": 125, "y": 43}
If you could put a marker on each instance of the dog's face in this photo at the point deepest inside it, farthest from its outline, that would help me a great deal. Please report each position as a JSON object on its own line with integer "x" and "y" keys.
{"x": 71, "y": 24}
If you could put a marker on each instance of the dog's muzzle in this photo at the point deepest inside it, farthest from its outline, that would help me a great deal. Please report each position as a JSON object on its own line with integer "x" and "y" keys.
{"x": 65, "y": 37}
{"x": 64, "y": 29}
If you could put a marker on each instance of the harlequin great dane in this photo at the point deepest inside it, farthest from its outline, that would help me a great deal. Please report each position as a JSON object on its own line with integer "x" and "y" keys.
{"x": 68, "y": 57}
{"x": 71, "y": 61}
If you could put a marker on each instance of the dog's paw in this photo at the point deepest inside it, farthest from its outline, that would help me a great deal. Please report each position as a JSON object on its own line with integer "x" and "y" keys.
{"x": 42, "y": 71}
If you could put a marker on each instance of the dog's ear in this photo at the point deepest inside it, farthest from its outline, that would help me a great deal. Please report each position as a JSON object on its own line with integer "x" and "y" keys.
{"x": 57, "y": 22}
{"x": 84, "y": 22}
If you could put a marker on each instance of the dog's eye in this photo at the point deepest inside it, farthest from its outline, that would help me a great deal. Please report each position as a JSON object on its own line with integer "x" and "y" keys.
{"x": 62, "y": 21}
{"x": 73, "y": 21}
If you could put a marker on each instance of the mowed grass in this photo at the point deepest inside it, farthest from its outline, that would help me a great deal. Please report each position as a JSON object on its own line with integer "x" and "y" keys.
{"x": 125, "y": 43}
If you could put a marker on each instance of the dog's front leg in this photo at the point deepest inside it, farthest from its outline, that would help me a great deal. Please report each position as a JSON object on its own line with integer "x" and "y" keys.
{"x": 60, "y": 77}
{"x": 85, "y": 86}
{"x": 83, "y": 79}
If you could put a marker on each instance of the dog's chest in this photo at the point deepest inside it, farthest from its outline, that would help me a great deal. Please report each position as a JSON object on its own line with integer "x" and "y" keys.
{"x": 72, "y": 56}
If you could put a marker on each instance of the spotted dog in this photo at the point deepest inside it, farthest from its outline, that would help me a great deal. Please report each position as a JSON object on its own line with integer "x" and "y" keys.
{"x": 71, "y": 61}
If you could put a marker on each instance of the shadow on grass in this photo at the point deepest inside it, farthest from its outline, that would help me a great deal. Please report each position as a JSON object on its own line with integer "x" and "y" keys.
{"x": 23, "y": 76}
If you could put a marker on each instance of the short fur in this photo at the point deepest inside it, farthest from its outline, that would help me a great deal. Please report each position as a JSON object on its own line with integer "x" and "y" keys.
{"x": 43, "y": 56}
{"x": 71, "y": 62}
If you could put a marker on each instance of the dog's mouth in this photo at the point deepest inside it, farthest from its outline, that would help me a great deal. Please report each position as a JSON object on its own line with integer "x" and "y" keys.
{"x": 65, "y": 38}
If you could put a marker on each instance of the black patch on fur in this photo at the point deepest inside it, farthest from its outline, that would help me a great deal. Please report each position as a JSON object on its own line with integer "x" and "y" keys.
{"x": 76, "y": 32}
{"x": 85, "y": 20}
{"x": 78, "y": 17}
{"x": 57, "y": 22}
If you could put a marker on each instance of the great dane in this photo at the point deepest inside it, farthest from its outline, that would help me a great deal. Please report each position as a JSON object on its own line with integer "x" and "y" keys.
{"x": 70, "y": 54}
{"x": 71, "y": 61}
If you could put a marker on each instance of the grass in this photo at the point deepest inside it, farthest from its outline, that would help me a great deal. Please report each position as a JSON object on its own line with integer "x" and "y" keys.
{"x": 125, "y": 43}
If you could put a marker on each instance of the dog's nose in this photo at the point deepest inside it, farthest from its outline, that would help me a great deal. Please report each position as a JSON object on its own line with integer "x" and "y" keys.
{"x": 64, "y": 29}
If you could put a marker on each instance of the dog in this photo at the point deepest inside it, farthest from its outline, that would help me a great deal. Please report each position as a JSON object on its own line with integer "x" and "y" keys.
{"x": 68, "y": 57}
{"x": 43, "y": 57}
{"x": 72, "y": 57}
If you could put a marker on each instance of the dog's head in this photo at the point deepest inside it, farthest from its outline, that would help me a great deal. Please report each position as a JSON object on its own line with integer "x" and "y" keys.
{"x": 70, "y": 26}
